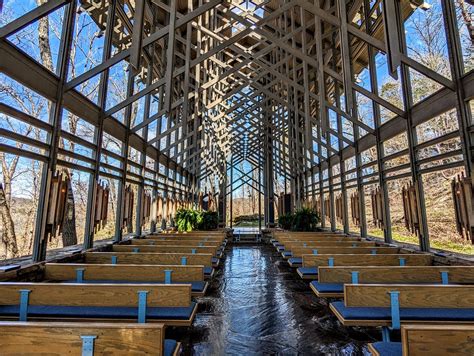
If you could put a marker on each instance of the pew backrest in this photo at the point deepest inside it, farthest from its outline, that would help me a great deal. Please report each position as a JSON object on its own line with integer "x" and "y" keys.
{"x": 436, "y": 340}
{"x": 318, "y": 238}
{"x": 410, "y": 296}
{"x": 174, "y": 242}
{"x": 146, "y": 258}
{"x": 343, "y": 250}
{"x": 398, "y": 274}
{"x": 100, "y": 295}
{"x": 61, "y": 338}
{"x": 314, "y": 244}
{"x": 367, "y": 260}
{"x": 138, "y": 273}
{"x": 165, "y": 249}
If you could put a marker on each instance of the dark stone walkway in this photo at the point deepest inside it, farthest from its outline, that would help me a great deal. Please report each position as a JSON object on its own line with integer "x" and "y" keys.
{"x": 257, "y": 305}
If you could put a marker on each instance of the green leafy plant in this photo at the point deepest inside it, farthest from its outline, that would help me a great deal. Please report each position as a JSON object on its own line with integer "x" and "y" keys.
{"x": 209, "y": 220}
{"x": 190, "y": 219}
{"x": 286, "y": 221}
{"x": 187, "y": 219}
{"x": 304, "y": 219}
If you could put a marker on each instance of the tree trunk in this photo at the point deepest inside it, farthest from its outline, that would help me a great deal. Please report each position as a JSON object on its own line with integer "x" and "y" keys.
{"x": 43, "y": 39}
{"x": 68, "y": 232}
{"x": 8, "y": 236}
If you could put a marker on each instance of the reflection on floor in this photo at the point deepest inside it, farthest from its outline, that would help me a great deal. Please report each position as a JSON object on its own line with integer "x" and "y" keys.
{"x": 257, "y": 306}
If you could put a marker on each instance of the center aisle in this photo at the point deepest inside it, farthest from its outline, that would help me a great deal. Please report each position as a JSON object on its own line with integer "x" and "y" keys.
{"x": 257, "y": 305}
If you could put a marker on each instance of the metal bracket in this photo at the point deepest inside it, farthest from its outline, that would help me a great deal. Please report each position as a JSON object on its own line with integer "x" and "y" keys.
{"x": 331, "y": 261}
{"x": 193, "y": 251}
{"x": 402, "y": 261}
{"x": 315, "y": 252}
{"x": 355, "y": 277}
{"x": 88, "y": 345}
{"x": 135, "y": 250}
{"x": 444, "y": 277}
{"x": 373, "y": 251}
{"x": 184, "y": 261}
{"x": 114, "y": 260}
{"x": 395, "y": 309}
{"x": 385, "y": 334}
{"x": 24, "y": 300}
{"x": 168, "y": 276}
{"x": 142, "y": 301}
{"x": 80, "y": 275}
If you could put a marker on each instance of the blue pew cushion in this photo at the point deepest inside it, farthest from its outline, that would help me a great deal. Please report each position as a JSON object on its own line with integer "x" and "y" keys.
{"x": 208, "y": 270}
{"x": 169, "y": 347}
{"x": 281, "y": 248}
{"x": 197, "y": 286}
{"x": 418, "y": 314}
{"x": 215, "y": 260}
{"x": 308, "y": 271}
{"x": 59, "y": 311}
{"x": 328, "y": 287}
{"x": 295, "y": 260}
{"x": 388, "y": 348}
{"x": 287, "y": 253}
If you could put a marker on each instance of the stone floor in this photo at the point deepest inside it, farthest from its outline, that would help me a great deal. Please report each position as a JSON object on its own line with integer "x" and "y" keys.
{"x": 257, "y": 305}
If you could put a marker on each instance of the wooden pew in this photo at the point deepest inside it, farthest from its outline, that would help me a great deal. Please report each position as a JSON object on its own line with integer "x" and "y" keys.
{"x": 287, "y": 249}
{"x": 395, "y": 304}
{"x": 167, "y": 249}
{"x": 165, "y": 303}
{"x": 331, "y": 280}
{"x": 311, "y": 244}
{"x": 426, "y": 339}
{"x": 189, "y": 242}
{"x": 183, "y": 238}
{"x": 305, "y": 233}
{"x": 205, "y": 234}
{"x": 122, "y": 273}
{"x": 145, "y": 258}
{"x": 309, "y": 270}
{"x": 293, "y": 235}
{"x": 57, "y": 339}
{"x": 309, "y": 239}
{"x": 320, "y": 238}
{"x": 300, "y": 251}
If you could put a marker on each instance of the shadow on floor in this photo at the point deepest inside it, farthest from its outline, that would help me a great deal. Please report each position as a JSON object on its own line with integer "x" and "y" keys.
{"x": 257, "y": 305}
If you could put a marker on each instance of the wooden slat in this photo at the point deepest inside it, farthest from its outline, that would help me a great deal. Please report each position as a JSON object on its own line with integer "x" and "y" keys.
{"x": 165, "y": 249}
{"x": 437, "y": 340}
{"x": 315, "y": 244}
{"x": 396, "y": 274}
{"x": 318, "y": 238}
{"x": 367, "y": 260}
{"x": 142, "y": 273}
{"x": 343, "y": 250}
{"x": 310, "y": 244}
{"x": 81, "y": 294}
{"x": 175, "y": 242}
{"x": 149, "y": 258}
{"x": 411, "y": 296}
{"x": 57, "y": 339}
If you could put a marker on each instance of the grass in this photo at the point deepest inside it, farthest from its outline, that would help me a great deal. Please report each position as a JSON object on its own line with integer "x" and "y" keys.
{"x": 463, "y": 247}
